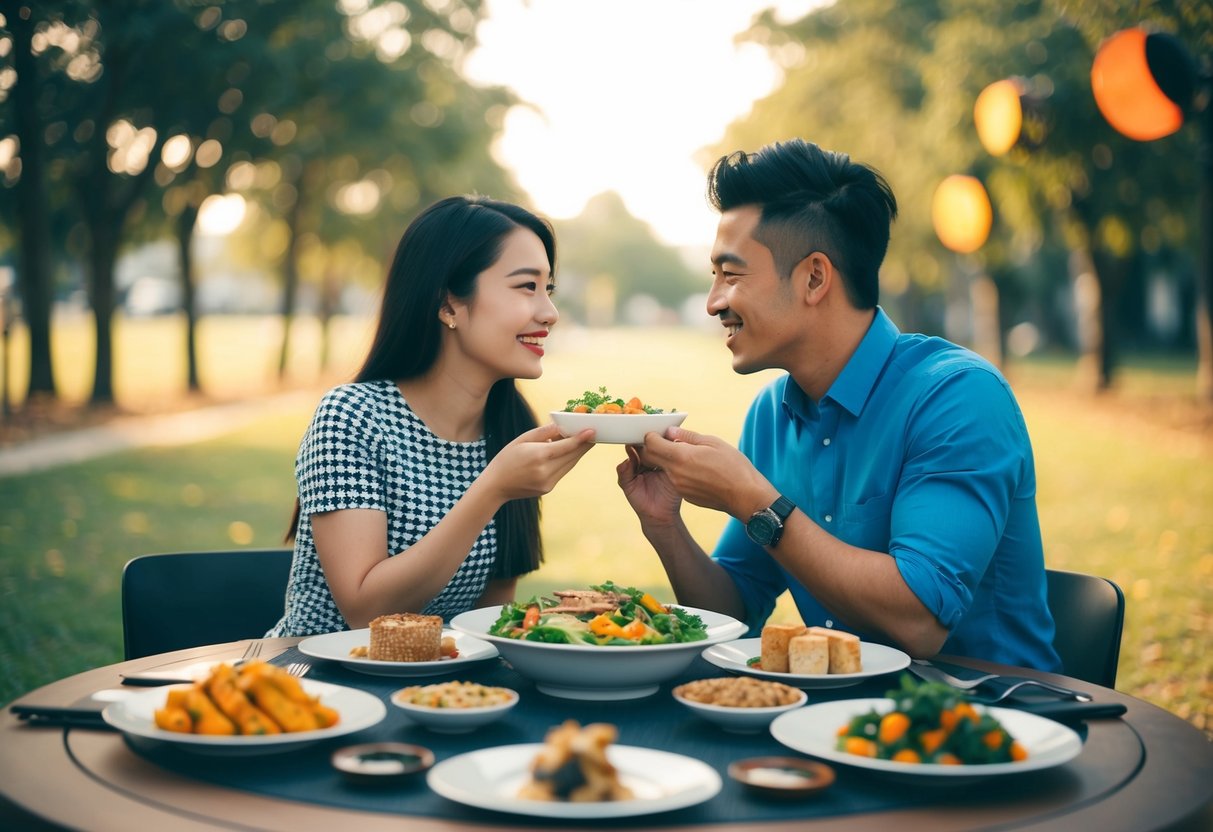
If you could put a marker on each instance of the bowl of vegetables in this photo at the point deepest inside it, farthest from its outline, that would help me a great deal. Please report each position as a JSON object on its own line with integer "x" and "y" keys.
{"x": 615, "y": 420}
{"x": 603, "y": 643}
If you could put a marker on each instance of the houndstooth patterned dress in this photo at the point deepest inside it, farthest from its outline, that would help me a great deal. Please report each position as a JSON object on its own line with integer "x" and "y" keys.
{"x": 366, "y": 448}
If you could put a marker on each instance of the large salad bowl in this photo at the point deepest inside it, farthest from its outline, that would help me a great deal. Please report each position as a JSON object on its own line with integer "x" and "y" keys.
{"x": 598, "y": 672}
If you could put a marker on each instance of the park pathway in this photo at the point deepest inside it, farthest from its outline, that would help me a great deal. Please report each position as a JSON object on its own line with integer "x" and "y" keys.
{"x": 128, "y": 432}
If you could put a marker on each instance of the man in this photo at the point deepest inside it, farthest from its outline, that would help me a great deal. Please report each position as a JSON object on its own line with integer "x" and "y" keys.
{"x": 888, "y": 479}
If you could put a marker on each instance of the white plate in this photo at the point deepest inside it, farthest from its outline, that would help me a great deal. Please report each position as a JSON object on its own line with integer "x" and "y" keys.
{"x": 814, "y": 730}
{"x": 616, "y": 428}
{"x": 135, "y": 717}
{"x": 492, "y": 777}
{"x": 736, "y": 719}
{"x": 588, "y": 671}
{"x": 454, "y": 720}
{"x": 877, "y": 660}
{"x": 336, "y": 647}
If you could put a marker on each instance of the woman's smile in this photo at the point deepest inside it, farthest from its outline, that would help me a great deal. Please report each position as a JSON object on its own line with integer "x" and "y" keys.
{"x": 533, "y": 341}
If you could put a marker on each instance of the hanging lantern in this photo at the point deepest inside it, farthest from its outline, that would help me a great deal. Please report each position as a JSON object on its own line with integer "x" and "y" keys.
{"x": 998, "y": 115}
{"x": 1142, "y": 83}
{"x": 961, "y": 213}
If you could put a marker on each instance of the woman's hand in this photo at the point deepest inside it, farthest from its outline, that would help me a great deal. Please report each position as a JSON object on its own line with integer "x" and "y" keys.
{"x": 532, "y": 464}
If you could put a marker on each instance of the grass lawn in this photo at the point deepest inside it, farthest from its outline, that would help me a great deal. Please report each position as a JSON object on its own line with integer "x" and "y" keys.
{"x": 1125, "y": 482}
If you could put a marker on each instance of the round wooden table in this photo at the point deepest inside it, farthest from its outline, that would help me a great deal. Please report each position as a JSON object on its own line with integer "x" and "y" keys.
{"x": 91, "y": 779}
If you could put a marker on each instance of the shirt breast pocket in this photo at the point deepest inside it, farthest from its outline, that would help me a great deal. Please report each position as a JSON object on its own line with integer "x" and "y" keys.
{"x": 866, "y": 524}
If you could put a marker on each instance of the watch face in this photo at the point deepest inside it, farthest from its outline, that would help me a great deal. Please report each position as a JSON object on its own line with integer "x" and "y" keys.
{"x": 762, "y": 527}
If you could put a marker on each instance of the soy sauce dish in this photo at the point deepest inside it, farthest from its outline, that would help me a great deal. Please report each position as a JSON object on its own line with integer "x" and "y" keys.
{"x": 783, "y": 777}
{"x": 381, "y": 762}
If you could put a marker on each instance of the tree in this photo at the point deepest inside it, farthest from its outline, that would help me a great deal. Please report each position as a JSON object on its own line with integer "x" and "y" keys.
{"x": 608, "y": 249}
{"x": 895, "y": 87}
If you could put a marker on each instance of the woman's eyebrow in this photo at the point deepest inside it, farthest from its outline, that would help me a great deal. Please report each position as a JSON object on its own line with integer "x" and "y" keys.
{"x": 527, "y": 270}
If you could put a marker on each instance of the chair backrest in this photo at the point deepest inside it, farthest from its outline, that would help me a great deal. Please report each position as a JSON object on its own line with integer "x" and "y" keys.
{"x": 187, "y": 599}
{"x": 1090, "y": 614}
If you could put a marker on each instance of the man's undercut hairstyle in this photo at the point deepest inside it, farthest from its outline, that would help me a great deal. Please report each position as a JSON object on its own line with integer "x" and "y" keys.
{"x": 812, "y": 200}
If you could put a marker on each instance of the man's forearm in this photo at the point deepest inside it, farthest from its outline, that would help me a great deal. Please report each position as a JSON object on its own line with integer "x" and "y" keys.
{"x": 698, "y": 581}
{"x": 864, "y": 588}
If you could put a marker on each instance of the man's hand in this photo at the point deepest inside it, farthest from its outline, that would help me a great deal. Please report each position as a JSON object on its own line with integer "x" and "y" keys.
{"x": 648, "y": 490}
{"x": 708, "y": 472}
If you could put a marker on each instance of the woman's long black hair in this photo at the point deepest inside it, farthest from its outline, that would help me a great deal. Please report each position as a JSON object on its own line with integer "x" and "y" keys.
{"x": 441, "y": 253}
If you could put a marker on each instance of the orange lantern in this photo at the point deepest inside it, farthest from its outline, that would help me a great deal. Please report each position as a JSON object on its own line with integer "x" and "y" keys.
{"x": 998, "y": 115}
{"x": 961, "y": 213}
{"x": 1127, "y": 90}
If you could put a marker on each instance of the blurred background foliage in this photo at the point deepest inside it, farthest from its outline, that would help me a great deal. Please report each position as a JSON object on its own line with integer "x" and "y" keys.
{"x": 317, "y": 128}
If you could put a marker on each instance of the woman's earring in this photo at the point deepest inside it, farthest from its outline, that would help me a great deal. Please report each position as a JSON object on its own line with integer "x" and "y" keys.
{"x": 450, "y": 325}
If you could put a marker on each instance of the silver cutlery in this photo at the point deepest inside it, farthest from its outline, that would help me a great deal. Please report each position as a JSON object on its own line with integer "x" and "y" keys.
{"x": 1007, "y": 685}
{"x": 251, "y": 652}
{"x": 299, "y": 669}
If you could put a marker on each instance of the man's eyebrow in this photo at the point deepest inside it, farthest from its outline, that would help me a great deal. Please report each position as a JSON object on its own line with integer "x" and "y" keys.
{"x": 728, "y": 258}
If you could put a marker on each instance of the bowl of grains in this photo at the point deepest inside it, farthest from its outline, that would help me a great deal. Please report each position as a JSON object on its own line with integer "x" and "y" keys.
{"x": 454, "y": 707}
{"x": 741, "y": 704}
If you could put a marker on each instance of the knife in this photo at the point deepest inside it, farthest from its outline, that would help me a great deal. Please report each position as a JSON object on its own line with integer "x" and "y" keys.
{"x": 52, "y": 717}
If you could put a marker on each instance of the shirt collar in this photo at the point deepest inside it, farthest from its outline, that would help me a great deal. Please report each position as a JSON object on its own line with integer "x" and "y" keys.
{"x": 854, "y": 384}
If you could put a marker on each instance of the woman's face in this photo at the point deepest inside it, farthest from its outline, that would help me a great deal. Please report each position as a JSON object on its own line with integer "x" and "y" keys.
{"x": 503, "y": 325}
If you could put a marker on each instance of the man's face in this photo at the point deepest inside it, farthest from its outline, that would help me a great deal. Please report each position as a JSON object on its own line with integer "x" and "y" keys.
{"x": 757, "y": 307}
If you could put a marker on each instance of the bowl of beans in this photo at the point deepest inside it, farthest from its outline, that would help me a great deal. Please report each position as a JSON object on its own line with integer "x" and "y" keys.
{"x": 741, "y": 704}
{"x": 454, "y": 707}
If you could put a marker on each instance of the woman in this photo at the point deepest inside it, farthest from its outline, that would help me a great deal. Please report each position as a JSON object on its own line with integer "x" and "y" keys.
{"x": 419, "y": 483}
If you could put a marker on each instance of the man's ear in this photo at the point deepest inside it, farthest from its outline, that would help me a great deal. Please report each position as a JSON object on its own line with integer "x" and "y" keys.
{"x": 816, "y": 275}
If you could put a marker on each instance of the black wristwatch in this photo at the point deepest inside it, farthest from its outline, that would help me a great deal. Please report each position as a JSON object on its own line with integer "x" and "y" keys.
{"x": 765, "y": 527}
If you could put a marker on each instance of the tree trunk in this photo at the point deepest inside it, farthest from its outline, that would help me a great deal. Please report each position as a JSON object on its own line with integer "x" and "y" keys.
{"x": 330, "y": 297}
{"x": 185, "y": 239}
{"x": 102, "y": 255}
{"x": 1204, "y": 277}
{"x": 290, "y": 288}
{"x": 33, "y": 217}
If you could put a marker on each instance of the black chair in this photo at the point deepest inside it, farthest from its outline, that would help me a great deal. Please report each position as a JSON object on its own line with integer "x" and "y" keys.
{"x": 1090, "y": 615}
{"x": 187, "y": 599}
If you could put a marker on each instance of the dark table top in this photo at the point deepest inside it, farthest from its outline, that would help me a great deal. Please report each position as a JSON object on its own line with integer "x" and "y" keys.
{"x": 1146, "y": 770}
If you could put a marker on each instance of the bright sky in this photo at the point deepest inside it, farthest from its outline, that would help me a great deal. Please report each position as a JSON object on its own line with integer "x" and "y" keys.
{"x": 628, "y": 91}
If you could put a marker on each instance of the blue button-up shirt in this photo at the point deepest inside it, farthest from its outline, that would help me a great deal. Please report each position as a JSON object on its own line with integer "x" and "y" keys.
{"x": 918, "y": 449}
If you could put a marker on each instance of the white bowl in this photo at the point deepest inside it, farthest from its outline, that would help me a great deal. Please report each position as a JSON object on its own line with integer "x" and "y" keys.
{"x": 616, "y": 428}
{"x": 740, "y": 720}
{"x": 587, "y": 671}
{"x": 455, "y": 720}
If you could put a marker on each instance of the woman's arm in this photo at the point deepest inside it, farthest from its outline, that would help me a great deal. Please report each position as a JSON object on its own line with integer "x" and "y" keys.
{"x": 351, "y": 544}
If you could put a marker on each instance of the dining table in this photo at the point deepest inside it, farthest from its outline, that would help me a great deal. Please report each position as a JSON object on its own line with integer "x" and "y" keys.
{"x": 1144, "y": 769}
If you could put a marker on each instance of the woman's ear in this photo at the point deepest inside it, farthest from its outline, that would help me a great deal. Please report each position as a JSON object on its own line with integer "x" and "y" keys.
{"x": 446, "y": 314}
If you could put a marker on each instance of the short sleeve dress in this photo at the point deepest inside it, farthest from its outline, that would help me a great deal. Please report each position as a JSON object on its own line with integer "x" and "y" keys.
{"x": 366, "y": 448}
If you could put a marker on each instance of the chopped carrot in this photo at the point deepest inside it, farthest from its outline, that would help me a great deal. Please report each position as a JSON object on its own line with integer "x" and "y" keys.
{"x": 893, "y": 727}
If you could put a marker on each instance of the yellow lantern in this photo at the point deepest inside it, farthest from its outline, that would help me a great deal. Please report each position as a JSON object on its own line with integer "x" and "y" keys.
{"x": 998, "y": 115}
{"x": 961, "y": 213}
{"x": 1126, "y": 91}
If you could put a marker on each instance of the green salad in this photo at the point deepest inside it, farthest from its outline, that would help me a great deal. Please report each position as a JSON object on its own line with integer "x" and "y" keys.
{"x": 930, "y": 723}
{"x": 601, "y": 401}
{"x": 606, "y": 615}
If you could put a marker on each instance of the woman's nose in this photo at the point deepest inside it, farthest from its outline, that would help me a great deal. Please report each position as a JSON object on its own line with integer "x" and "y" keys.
{"x": 548, "y": 313}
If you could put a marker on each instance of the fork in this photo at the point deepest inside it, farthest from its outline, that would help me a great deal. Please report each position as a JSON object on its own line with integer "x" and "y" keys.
{"x": 251, "y": 652}
{"x": 1014, "y": 684}
{"x": 1009, "y": 684}
{"x": 299, "y": 669}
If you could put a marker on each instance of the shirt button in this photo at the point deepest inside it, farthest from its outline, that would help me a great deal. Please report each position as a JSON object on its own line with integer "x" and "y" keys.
{"x": 826, "y": 441}
{"x": 829, "y": 623}
{"x": 829, "y": 518}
